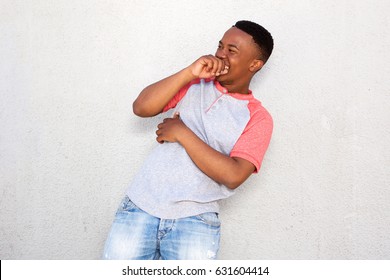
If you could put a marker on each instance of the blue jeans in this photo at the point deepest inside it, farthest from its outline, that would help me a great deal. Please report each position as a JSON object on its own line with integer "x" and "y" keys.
{"x": 136, "y": 235}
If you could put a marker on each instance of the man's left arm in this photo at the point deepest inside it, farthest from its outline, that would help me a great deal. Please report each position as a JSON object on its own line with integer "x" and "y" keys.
{"x": 229, "y": 171}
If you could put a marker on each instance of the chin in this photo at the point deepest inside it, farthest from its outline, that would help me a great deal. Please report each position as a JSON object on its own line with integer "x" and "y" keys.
{"x": 221, "y": 78}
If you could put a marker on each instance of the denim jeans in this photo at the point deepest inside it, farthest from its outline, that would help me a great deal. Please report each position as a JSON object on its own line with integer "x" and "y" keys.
{"x": 136, "y": 235}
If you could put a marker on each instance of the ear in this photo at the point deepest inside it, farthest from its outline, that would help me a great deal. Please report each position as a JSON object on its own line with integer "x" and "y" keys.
{"x": 256, "y": 65}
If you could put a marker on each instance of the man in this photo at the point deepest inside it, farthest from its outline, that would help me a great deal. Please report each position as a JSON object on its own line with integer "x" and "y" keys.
{"x": 215, "y": 139}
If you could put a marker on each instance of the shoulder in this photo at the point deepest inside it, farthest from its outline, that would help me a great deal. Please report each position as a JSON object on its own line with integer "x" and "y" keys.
{"x": 258, "y": 112}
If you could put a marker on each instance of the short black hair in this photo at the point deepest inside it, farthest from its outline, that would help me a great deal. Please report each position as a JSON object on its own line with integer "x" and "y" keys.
{"x": 260, "y": 35}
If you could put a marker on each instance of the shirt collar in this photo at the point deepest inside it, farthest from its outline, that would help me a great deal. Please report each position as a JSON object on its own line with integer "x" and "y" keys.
{"x": 234, "y": 94}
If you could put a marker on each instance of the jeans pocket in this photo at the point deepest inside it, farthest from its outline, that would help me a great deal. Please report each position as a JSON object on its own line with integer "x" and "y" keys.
{"x": 209, "y": 218}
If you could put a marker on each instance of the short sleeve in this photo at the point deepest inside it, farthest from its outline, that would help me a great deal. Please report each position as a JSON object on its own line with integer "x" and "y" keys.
{"x": 255, "y": 139}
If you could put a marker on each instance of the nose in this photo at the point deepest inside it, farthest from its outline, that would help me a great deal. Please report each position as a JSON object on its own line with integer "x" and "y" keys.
{"x": 220, "y": 53}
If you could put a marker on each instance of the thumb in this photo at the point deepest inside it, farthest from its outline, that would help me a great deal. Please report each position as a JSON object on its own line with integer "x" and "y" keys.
{"x": 176, "y": 115}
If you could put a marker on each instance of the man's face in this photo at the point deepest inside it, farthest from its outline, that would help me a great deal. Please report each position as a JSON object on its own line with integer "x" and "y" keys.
{"x": 238, "y": 51}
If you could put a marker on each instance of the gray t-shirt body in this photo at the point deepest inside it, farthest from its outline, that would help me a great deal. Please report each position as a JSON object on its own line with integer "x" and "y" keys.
{"x": 169, "y": 185}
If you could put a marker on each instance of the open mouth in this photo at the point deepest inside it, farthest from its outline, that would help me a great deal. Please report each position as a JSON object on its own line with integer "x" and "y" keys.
{"x": 226, "y": 70}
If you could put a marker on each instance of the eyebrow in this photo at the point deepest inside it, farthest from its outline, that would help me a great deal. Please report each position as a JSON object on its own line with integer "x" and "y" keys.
{"x": 230, "y": 45}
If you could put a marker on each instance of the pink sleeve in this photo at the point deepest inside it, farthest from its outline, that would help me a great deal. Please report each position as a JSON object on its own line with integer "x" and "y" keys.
{"x": 176, "y": 99}
{"x": 255, "y": 139}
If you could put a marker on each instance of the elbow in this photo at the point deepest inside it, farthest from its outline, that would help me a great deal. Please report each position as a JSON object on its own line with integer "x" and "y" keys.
{"x": 141, "y": 110}
{"x": 232, "y": 183}
{"x": 137, "y": 110}
{"x": 234, "y": 179}
{"x": 238, "y": 173}
{"x": 232, "y": 186}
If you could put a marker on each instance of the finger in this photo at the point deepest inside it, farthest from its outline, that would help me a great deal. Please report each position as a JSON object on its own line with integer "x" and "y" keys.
{"x": 221, "y": 66}
{"x": 216, "y": 66}
{"x": 206, "y": 62}
{"x": 159, "y": 140}
{"x": 210, "y": 66}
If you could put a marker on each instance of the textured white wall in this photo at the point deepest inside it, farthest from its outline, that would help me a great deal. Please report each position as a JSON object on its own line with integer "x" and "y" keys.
{"x": 69, "y": 144}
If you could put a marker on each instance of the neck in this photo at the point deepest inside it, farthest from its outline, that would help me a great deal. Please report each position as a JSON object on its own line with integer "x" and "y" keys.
{"x": 236, "y": 88}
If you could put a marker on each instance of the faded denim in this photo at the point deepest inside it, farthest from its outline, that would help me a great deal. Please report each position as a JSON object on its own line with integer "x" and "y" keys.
{"x": 136, "y": 235}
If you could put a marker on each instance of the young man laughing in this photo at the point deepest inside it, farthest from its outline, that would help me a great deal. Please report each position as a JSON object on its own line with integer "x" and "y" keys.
{"x": 215, "y": 140}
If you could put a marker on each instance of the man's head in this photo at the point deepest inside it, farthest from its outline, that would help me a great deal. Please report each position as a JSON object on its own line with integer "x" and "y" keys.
{"x": 245, "y": 48}
{"x": 260, "y": 35}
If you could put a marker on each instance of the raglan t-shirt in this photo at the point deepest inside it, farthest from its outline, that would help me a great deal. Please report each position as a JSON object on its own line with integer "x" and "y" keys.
{"x": 169, "y": 185}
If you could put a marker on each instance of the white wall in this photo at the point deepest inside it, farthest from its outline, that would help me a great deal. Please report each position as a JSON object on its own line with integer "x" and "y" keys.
{"x": 69, "y": 144}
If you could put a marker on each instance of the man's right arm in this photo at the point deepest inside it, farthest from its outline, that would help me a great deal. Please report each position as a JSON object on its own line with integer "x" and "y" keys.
{"x": 154, "y": 97}
{"x": 152, "y": 100}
